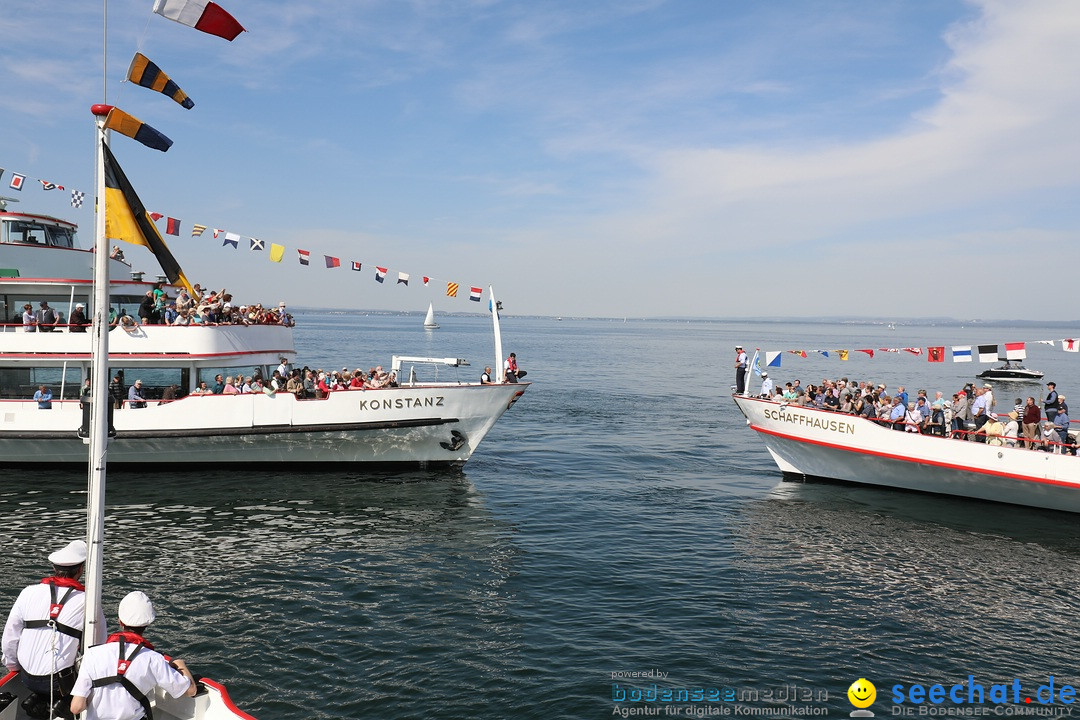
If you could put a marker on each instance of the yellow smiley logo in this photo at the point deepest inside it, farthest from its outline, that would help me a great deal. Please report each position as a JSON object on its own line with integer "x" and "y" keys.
{"x": 862, "y": 693}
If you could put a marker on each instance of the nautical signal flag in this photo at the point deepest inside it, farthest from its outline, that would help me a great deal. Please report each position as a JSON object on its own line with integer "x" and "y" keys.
{"x": 256, "y": 244}
{"x": 961, "y": 353}
{"x": 146, "y": 74}
{"x": 935, "y": 354}
{"x": 356, "y": 266}
{"x": 17, "y": 181}
{"x": 1015, "y": 351}
{"x": 332, "y": 262}
{"x": 1070, "y": 345}
{"x": 843, "y": 354}
{"x": 136, "y": 129}
{"x": 277, "y": 252}
{"x": 403, "y": 278}
{"x": 197, "y": 230}
{"x": 46, "y": 185}
{"x": 772, "y": 358}
{"x": 380, "y": 274}
{"x": 451, "y": 289}
{"x": 126, "y": 219}
{"x": 988, "y": 353}
{"x": 868, "y": 351}
{"x": 231, "y": 239}
{"x": 305, "y": 257}
{"x": 203, "y": 15}
{"x": 426, "y": 280}
{"x": 172, "y": 226}
{"x": 475, "y": 293}
{"x": 77, "y": 198}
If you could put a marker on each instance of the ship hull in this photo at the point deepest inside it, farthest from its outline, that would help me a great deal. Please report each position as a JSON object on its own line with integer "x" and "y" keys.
{"x": 817, "y": 443}
{"x": 434, "y": 425}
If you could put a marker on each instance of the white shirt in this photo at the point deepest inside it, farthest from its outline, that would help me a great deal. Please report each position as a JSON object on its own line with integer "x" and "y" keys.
{"x": 767, "y": 387}
{"x": 41, "y": 651}
{"x": 147, "y": 671}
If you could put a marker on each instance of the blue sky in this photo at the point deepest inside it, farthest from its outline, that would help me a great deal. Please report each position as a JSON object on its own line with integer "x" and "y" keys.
{"x": 640, "y": 158}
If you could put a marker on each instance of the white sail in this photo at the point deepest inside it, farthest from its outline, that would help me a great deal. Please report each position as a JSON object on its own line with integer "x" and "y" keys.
{"x": 429, "y": 319}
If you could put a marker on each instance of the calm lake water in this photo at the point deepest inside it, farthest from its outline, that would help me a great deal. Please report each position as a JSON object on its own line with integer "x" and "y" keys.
{"x": 620, "y": 519}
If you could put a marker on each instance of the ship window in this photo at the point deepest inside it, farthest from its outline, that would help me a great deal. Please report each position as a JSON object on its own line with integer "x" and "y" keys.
{"x": 207, "y": 374}
{"x": 24, "y": 232}
{"x": 61, "y": 236}
{"x": 154, "y": 380}
{"x": 20, "y": 383}
{"x": 30, "y": 233}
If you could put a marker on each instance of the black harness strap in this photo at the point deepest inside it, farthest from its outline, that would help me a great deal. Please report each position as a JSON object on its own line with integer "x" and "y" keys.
{"x": 122, "y": 665}
{"x": 54, "y": 612}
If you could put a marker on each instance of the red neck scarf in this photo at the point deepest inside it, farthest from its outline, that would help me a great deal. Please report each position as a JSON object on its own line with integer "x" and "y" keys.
{"x": 130, "y": 637}
{"x": 64, "y": 582}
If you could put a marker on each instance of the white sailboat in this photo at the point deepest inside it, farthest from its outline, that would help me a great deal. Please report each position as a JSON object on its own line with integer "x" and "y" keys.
{"x": 429, "y": 319}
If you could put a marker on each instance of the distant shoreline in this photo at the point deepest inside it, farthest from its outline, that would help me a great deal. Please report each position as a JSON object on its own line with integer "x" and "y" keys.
{"x": 898, "y": 322}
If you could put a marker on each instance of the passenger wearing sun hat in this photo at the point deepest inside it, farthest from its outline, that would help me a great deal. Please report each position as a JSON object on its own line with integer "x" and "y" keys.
{"x": 77, "y": 322}
{"x": 994, "y": 430}
{"x": 41, "y": 644}
{"x": 100, "y": 690}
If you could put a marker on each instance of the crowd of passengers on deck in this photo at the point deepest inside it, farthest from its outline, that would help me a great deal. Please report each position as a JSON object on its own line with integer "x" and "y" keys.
{"x": 215, "y": 307}
{"x": 305, "y": 383}
{"x": 971, "y": 413}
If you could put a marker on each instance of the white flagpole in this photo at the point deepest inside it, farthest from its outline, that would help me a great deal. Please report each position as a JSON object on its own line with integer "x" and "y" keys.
{"x": 498, "y": 333}
{"x": 99, "y": 399}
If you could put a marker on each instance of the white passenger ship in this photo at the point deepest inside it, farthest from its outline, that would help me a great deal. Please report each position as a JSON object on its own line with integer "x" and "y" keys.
{"x": 808, "y": 442}
{"x": 418, "y": 424}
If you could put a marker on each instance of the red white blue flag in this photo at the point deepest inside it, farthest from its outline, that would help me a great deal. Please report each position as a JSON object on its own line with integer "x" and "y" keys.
{"x": 305, "y": 256}
{"x": 380, "y": 274}
{"x": 475, "y": 293}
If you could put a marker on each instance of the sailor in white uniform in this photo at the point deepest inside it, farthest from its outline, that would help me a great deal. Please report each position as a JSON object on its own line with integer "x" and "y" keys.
{"x": 766, "y": 385}
{"x": 44, "y": 630}
{"x": 116, "y": 679}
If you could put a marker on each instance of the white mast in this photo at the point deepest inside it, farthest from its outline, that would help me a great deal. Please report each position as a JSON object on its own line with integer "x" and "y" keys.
{"x": 100, "y": 399}
{"x": 498, "y": 333}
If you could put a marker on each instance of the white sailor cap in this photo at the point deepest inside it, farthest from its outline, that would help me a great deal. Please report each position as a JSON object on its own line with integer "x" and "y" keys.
{"x": 74, "y": 553}
{"x": 136, "y": 610}
{"x": 79, "y": 305}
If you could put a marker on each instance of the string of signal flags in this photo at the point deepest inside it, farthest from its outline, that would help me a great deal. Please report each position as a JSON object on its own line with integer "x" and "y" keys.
{"x": 276, "y": 253}
{"x": 934, "y": 353}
